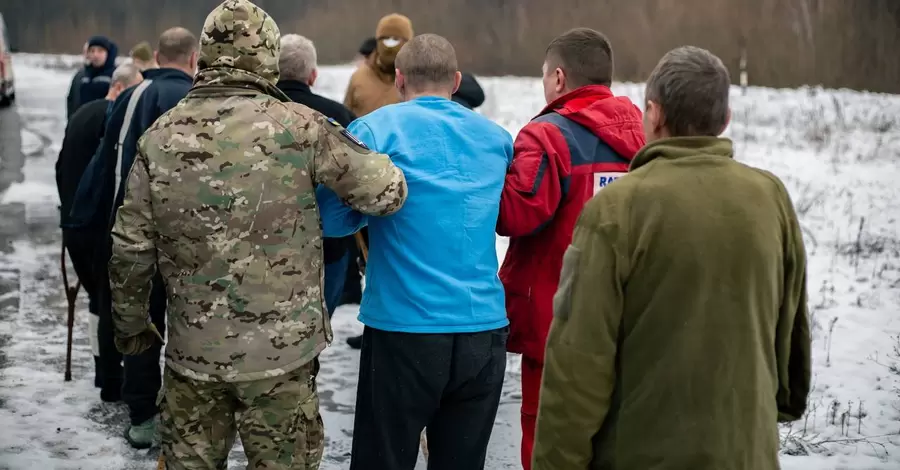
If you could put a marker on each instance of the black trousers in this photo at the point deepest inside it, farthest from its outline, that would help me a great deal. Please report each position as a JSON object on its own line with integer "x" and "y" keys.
{"x": 109, "y": 365}
{"x": 447, "y": 383}
{"x": 81, "y": 246}
{"x": 353, "y": 282}
{"x": 143, "y": 374}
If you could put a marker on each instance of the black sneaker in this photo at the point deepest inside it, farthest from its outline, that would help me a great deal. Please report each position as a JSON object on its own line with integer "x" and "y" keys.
{"x": 355, "y": 342}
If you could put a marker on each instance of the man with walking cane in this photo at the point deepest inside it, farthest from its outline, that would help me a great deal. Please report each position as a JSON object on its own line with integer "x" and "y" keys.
{"x": 71, "y": 298}
{"x": 84, "y": 132}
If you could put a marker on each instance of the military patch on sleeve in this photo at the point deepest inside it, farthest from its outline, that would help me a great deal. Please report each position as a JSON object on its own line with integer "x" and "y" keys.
{"x": 347, "y": 137}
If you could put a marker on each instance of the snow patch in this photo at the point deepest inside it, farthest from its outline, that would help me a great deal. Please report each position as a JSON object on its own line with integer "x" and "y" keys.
{"x": 838, "y": 152}
{"x": 31, "y": 192}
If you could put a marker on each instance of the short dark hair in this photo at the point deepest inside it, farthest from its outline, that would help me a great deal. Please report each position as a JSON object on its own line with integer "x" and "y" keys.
{"x": 585, "y": 55}
{"x": 691, "y": 86}
{"x": 427, "y": 60}
{"x": 176, "y": 46}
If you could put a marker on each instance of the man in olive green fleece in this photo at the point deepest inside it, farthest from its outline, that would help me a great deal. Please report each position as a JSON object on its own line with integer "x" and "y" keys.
{"x": 680, "y": 334}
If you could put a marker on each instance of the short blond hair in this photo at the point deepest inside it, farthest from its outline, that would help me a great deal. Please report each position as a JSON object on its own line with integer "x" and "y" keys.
{"x": 426, "y": 61}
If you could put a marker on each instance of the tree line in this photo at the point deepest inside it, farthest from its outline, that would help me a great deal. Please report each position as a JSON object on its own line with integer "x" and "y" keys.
{"x": 786, "y": 43}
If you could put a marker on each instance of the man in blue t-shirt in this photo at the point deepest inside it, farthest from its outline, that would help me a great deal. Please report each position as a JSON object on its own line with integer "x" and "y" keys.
{"x": 434, "y": 346}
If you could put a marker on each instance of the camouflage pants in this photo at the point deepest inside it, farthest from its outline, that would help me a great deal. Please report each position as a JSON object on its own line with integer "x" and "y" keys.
{"x": 278, "y": 421}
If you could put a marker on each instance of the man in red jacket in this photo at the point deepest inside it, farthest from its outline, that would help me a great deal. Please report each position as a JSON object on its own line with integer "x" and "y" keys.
{"x": 584, "y": 139}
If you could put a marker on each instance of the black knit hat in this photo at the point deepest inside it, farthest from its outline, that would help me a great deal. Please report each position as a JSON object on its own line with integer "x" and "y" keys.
{"x": 368, "y": 46}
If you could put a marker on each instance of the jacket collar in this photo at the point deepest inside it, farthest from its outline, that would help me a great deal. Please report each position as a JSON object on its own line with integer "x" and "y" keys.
{"x": 294, "y": 85}
{"x": 165, "y": 74}
{"x": 680, "y": 147}
{"x": 578, "y": 98}
{"x": 227, "y": 77}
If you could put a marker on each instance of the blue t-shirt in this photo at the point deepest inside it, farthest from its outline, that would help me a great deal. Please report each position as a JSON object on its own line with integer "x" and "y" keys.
{"x": 433, "y": 264}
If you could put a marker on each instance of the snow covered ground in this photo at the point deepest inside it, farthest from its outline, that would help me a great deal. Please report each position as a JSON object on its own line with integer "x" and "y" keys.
{"x": 837, "y": 151}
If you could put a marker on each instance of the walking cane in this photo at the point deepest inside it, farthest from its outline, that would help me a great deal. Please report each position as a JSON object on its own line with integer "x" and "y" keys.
{"x": 71, "y": 297}
{"x": 361, "y": 244}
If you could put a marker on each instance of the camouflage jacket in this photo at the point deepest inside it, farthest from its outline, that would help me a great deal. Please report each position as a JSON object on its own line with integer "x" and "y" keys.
{"x": 221, "y": 199}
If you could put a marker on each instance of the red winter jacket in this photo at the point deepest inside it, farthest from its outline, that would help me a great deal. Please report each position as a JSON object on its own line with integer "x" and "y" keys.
{"x": 578, "y": 144}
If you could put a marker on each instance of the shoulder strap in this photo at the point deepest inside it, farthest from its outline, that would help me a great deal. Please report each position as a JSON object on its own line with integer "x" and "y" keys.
{"x": 126, "y": 124}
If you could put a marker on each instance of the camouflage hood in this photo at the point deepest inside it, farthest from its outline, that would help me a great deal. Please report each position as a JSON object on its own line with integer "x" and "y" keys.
{"x": 239, "y": 47}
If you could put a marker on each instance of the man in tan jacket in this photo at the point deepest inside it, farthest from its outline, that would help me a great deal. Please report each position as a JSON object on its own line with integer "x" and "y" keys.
{"x": 372, "y": 87}
{"x": 372, "y": 84}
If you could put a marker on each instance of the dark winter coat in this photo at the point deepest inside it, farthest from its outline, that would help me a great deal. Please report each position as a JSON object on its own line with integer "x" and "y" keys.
{"x": 73, "y": 99}
{"x": 680, "y": 334}
{"x": 96, "y": 80}
{"x": 574, "y": 147}
{"x": 83, "y": 134}
{"x": 469, "y": 93}
{"x": 299, "y": 92}
{"x": 168, "y": 88}
{"x": 97, "y": 190}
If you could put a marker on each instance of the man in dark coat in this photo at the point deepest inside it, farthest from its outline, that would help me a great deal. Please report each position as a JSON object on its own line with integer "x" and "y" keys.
{"x": 680, "y": 335}
{"x": 101, "y": 192}
{"x": 297, "y": 66}
{"x": 73, "y": 98}
{"x": 83, "y": 134}
{"x": 101, "y": 55}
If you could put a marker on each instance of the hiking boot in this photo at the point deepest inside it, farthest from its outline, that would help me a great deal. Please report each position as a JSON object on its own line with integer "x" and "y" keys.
{"x": 142, "y": 436}
{"x": 355, "y": 342}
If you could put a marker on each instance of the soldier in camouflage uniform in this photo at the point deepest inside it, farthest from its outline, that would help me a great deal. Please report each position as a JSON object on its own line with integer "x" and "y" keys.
{"x": 221, "y": 199}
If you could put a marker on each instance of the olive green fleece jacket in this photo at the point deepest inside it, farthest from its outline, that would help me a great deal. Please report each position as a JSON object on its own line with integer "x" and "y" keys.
{"x": 680, "y": 334}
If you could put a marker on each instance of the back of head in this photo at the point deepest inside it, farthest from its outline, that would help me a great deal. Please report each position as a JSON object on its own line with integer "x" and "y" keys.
{"x": 240, "y": 35}
{"x": 176, "y": 47}
{"x": 585, "y": 55}
{"x": 126, "y": 75}
{"x": 428, "y": 63}
{"x": 691, "y": 86}
{"x": 142, "y": 51}
{"x": 298, "y": 58}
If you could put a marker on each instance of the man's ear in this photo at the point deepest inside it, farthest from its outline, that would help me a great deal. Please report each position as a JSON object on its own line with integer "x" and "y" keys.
{"x": 561, "y": 80}
{"x": 727, "y": 122}
{"x": 457, "y": 79}
{"x": 399, "y": 81}
{"x": 156, "y": 56}
{"x": 194, "y": 60}
{"x": 657, "y": 117}
{"x": 312, "y": 77}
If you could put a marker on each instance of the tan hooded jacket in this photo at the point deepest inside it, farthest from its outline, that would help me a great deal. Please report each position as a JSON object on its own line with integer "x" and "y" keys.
{"x": 372, "y": 84}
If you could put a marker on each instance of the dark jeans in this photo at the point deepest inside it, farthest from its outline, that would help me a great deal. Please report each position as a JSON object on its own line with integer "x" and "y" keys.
{"x": 110, "y": 363}
{"x": 143, "y": 375}
{"x": 447, "y": 383}
{"x": 335, "y": 275}
{"x": 353, "y": 283}
{"x": 81, "y": 246}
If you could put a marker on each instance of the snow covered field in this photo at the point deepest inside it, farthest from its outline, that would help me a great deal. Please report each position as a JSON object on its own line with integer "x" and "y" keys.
{"x": 837, "y": 151}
